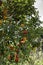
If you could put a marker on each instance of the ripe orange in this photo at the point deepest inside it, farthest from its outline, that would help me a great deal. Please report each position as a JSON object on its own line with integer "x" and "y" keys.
{"x": 25, "y": 32}
{"x": 16, "y": 58}
{"x": 9, "y": 57}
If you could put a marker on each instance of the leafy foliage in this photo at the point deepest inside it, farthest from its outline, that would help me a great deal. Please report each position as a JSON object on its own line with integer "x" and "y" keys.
{"x": 19, "y": 29}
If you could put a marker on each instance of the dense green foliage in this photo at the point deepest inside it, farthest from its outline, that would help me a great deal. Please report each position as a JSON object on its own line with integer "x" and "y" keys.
{"x": 19, "y": 29}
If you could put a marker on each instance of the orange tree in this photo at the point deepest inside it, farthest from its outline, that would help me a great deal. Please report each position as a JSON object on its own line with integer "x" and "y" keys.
{"x": 19, "y": 29}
